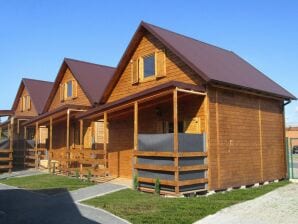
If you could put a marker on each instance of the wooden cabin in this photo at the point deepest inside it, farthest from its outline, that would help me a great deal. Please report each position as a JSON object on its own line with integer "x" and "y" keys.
{"x": 29, "y": 102}
{"x": 78, "y": 87}
{"x": 195, "y": 116}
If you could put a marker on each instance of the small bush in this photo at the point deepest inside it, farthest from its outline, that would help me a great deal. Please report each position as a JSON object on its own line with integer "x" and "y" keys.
{"x": 77, "y": 174}
{"x": 89, "y": 175}
{"x": 54, "y": 168}
{"x": 135, "y": 182}
{"x": 157, "y": 186}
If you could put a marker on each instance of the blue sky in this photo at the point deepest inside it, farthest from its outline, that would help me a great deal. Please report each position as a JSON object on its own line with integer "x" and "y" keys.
{"x": 35, "y": 36}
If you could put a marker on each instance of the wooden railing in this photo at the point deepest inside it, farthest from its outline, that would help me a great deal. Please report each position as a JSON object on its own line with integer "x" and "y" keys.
{"x": 5, "y": 160}
{"x": 85, "y": 162}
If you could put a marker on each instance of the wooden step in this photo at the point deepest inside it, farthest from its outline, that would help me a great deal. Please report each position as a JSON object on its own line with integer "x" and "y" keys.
{"x": 5, "y": 151}
{"x": 5, "y": 166}
{"x": 5, "y": 159}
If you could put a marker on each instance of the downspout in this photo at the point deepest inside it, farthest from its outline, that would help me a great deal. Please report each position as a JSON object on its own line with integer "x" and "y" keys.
{"x": 286, "y": 143}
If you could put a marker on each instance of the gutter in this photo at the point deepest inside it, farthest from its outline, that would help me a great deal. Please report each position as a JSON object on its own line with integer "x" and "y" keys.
{"x": 287, "y": 102}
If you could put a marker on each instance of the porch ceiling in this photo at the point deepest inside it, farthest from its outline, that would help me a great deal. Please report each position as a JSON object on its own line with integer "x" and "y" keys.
{"x": 146, "y": 95}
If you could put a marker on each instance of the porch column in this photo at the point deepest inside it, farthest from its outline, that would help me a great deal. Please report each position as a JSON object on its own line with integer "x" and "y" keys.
{"x": 11, "y": 125}
{"x": 176, "y": 146}
{"x": 105, "y": 138}
{"x": 25, "y": 145}
{"x": 136, "y": 131}
{"x": 36, "y": 144}
{"x": 50, "y": 144}
{"x": 67, "y": 140}
{"x": 81, "y": 146}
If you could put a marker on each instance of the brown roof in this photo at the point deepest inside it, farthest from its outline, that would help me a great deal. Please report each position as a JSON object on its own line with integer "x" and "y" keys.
{"x": 213, "y": 64}
{"x": 6, "y": 113}
{"x": 92, "y": 78}
{"x": 38, "y": 91}
{"x": 139, "y": 95}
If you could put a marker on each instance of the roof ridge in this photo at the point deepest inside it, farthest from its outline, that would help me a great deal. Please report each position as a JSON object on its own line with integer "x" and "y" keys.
{"x": 39, "y": 80}
{"x": 188, "y": 37}
{"x": 86, "y": 62}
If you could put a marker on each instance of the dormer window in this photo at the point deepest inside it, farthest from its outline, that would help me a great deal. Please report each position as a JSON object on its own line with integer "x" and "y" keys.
{"x": 68, "y": 90}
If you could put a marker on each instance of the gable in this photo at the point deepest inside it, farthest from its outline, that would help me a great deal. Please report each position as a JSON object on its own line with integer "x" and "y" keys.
{"x": 28, "y": 112}
{"x": 79, "y": 99}
{"x": 175, "y": 70}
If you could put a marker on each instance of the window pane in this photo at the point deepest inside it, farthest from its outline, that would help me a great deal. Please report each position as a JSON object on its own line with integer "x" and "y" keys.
{"x": 149, "y": 66}
{"x": 69, "y": 89}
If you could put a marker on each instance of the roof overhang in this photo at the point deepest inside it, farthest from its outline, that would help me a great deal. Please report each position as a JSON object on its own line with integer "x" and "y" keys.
{"x": 4, "y": 113}
{"x": 156, "y": 91}
{"x": 55, "y": 114}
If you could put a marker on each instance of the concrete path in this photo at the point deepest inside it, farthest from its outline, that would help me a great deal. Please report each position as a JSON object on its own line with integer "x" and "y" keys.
{"x": 90, "y": 192}
{"x": 21, "y": 173}
{"x": 277, "y": 207}
{"x": 21, "y": 206}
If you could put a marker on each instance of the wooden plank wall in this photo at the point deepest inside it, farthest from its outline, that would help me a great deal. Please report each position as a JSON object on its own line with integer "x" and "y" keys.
{"x": 175, "y": 70}
{"x": 245, "y": 139}
{"x": 81, "y": 98}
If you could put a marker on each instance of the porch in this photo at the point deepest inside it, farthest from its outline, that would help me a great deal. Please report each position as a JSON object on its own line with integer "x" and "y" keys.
{"x": 157, "y": 134}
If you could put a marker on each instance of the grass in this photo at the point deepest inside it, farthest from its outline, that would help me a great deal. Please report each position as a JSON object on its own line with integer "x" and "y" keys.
{"x": 138, "y": 207}
{"x": 47, "y": 183}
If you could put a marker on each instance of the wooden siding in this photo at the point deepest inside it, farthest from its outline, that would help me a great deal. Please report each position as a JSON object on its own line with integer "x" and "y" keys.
{"x": 245, "y": 139}
{"x": 81, "y": 98}
{"x": 31, "y": 112}
{"x": 175, "y": 70}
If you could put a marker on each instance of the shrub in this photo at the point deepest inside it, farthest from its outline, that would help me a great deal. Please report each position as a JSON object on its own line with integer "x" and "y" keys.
{"x": 157, "y": 186}
{"x": 77, "y": 173}
{"x": 89, "y": 176}
{"x": 135, "y": 182}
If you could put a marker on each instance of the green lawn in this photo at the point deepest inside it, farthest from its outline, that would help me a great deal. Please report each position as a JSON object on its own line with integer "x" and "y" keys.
{"x": 47, "y": 183}
{"x": 138, "y": 207}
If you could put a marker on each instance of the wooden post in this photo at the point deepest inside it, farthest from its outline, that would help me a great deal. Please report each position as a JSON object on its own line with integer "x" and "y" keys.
{"x": 136, "y": 131}
{"x": 36, "y": 144}
{"x": 81, "y": 146}
{"x": 50, "y": 144}
{"x": 176, "y": 146}
{"x": 67, "y": 139}
{"x": 25, "y": 145}
{"x": 11, "y": 144}
{"x": 105, "y": 138}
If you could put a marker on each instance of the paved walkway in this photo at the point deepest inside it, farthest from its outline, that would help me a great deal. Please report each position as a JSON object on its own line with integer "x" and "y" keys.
{"x": 277, "y": 207}
{"x": 21, "y": 173}
{"x": 24, "y": 207}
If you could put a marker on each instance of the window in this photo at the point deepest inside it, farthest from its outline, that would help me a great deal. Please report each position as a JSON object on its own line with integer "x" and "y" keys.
{"x": 149, "y": 66}
{"x": 25, "y": 103}
{"x": 169, "y": 127}
{"x": 69, "y": 88}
